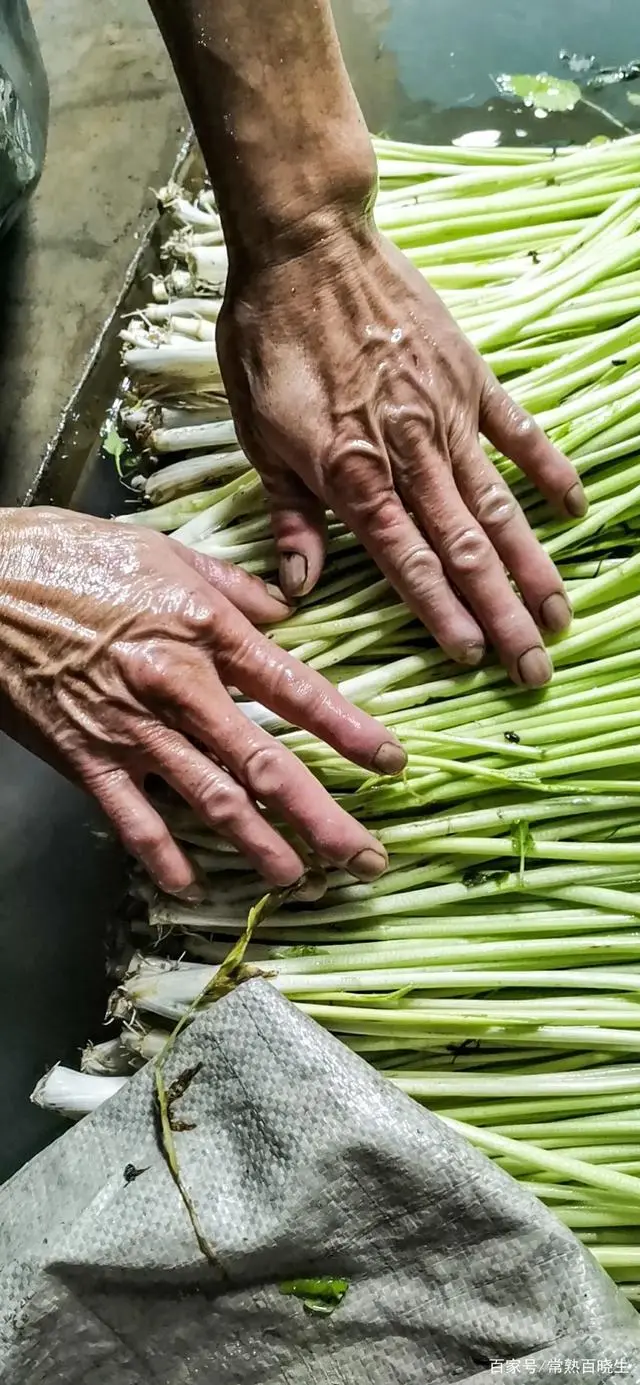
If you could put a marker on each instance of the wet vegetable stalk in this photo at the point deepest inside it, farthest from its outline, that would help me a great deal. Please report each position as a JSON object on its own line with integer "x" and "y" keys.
{"x": 494, "y": 972}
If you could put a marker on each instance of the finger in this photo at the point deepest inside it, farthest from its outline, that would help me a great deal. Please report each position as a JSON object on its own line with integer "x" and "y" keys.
{"x": 473, "y": 566}
{"x": 224, "y": 804}
{"x": 299, "y": 529}
{"x": 495, "y": 507}
{"x": 518, "y": 436}
{"x": 260, "y": 602}
{"x": 274, "y": 777}
{"x": 247, "y": 660}
{"x": 144, "y": 834}
{"x": 379, "y": 519}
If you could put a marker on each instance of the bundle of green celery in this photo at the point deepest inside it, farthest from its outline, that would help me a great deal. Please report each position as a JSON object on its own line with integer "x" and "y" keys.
{"x": 494, "y": 971}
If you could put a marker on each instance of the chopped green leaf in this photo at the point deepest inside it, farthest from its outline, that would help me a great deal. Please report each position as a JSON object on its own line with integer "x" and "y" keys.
{"x": 321, "y": 1295}
{"x": 523, "y": 843}
{"x": 478, "y": 875}
{"x": 542, "y": 92}
{"x": 114, "y": 444}
{"x": 119, "y": 449}
{"x": 300, "y": 951}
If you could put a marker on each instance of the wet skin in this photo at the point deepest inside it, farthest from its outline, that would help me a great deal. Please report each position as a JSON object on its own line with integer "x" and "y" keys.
{"x": 351, "y": 388}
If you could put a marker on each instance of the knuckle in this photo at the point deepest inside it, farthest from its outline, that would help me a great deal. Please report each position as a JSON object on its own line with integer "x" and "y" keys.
{"x": 411, "y": 429}
{"x": 235, "y": 652}
{"x": 198, "y": 615}
{"x": 221, "y": 801}
{"x": 146, "y": 840}
{"x": 463, "y": 432}
{"x": 265, "y": 771}
{"x": 522, "y": 429}
{"x": 466, "y": 552}
{"x": 381, "y": 509}
{"x": 419, "y": 567}
{"x": 496, "y": 506}
{"x": 367, "y": 470}
{"x": 149, "y": 668}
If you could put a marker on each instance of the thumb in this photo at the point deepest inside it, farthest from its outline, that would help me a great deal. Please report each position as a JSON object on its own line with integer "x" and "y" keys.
{"x": 299, "y": 529}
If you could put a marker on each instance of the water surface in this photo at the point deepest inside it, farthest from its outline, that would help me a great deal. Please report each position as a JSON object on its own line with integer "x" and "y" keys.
{"x": 424, "y": 69}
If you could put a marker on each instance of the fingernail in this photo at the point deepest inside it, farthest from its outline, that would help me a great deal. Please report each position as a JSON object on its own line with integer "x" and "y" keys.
{"x": 277, "y": 594}
{"x": 472, "y": 655}
{"x": 192, "y": 894}
{"x": 535, "y": 667}
{"x": 293, "y": 573}
{"x": 368, "y": 864}
{"x": 311, "y": 886}
{"x": 575, "y": 501}
{"x": 390, "y": 758}
{"x": 555, "y": 613}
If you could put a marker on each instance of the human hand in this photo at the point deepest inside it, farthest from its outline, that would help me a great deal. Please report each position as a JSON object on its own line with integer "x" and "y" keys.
{"x": 116, "y": 650}
{"x": 353, "y": 389}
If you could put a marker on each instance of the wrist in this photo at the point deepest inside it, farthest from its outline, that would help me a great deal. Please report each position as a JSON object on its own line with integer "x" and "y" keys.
{"x": 282, "y": 207}
{"x": 282, "y": 135}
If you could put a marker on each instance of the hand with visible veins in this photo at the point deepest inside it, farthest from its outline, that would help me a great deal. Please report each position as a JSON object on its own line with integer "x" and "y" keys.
{"x": 351, "y": 386}
{"x": 354, "y": 390}
{"x": 116, "y": 650}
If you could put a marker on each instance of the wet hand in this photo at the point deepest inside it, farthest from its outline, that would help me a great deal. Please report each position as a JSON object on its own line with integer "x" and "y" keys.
{"x": 354, "y": 390}
{"x": 117, "y": 647}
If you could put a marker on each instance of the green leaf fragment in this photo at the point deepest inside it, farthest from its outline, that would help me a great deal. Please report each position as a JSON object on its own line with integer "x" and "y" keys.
{"x": 523, "y": 842}
{"x": 114, "y": 444}
{"x": 320, "y": 1295}
{"x": 301, "y": 951}
{"x": 118, "y": 448}
{"x": 480, "y": 875}
{"x": 542, "y": 92}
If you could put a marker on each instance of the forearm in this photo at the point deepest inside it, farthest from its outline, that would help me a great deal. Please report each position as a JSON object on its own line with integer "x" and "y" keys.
{"x": 278, "y": 123}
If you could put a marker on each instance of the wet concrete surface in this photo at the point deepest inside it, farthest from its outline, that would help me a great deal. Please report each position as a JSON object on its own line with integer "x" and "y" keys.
{"x": 423, "y": 70}
{"x": 116, "y": 124}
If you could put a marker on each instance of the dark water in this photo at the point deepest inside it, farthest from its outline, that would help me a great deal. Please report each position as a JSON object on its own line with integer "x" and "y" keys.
{"x": 424, "y": 69}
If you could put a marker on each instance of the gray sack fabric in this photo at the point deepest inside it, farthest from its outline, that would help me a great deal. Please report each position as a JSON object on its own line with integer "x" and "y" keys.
{"x": 302, "y": 1161}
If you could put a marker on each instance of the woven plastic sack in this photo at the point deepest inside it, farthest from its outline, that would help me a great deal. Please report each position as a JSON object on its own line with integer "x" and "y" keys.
{"x": 24, "y": 109}
{"x": 297, "y": 1160}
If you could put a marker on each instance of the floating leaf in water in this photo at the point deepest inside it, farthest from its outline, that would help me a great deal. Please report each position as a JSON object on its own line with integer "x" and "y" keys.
{"x": 114, "y": 444}
{"x": 542, "y": 92}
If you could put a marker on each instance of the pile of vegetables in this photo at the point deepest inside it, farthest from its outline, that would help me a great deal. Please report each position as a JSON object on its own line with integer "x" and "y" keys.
{"x": 494, "y": 971}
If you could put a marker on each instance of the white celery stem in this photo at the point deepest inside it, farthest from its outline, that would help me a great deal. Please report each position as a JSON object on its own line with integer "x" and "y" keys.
{"x": 106, "y": 1059}
{"x": 74, "y": 1094}
{"x": 218, "y": 434}
{"x": 181, "y": 478}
